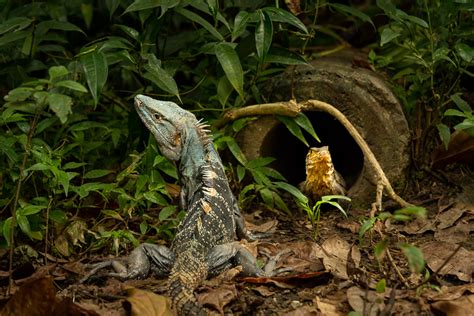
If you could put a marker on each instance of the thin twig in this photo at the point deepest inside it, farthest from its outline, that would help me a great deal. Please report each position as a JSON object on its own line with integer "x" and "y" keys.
{"x": 17, "y": 197}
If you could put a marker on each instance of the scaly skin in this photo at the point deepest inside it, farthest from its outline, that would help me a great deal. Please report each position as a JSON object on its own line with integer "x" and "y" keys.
{"x": 204, "y": 243}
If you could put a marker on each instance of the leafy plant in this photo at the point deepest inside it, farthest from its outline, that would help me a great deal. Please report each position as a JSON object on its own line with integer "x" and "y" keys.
{"x": 430, "y": 54}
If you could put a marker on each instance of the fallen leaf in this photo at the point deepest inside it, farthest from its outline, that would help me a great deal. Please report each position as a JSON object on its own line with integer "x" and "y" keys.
{"x": 450, "y": 216}
{"x": 460, "y": 265}
{"x": 335, "y": 254}
{"x": 268, "y": 227}
{"x": 462, "y": 306}
{"x": 364, "y": 301}
{"x": 459, "y": 233}
{"x": 326, "y": 307}
{"x": 37, "y": 297}
{"x": 218, "y": 298}
{"x": 449, "y": 293}
{"x": 263, "y": 291}
{"x": 351, "y": 226}
{"x": 146, "y": 303}
{"x": 304, "y": 311}
{"x": 310, "y": 279}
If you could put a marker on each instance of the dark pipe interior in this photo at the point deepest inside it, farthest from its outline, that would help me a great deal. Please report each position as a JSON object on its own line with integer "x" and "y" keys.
{"x": 291, "y": 152}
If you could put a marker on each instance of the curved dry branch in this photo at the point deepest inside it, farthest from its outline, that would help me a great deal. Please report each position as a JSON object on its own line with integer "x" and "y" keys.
{"x": 292, "y": 108}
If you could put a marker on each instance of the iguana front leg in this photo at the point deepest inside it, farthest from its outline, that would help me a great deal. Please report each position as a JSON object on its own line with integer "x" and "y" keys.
{"x": 143, "y": 259}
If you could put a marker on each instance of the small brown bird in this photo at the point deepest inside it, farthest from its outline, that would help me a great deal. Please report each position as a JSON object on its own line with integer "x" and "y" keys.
{"x": 321, "y": 177}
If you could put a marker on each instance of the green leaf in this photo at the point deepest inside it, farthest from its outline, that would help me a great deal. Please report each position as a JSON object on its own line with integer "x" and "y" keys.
{"x": 303, "y": 121}
{"x": 388, "y": 35}
{"x": 138, "y": 5}
{"x": 366, "y": 226}
{"x": 160, "y": 77}
{"x": 112, "y": 5}
{"x": 230, "y": 62}
{"x": 416, "y": 262}
{"x": 380, "y": 248}
{"x": 199, "y": 20}
{"x": 280, "y": 15}
{"x": 12, "y": 37}
{"x": 224, "y": 89}
{"x": 351, "y": 11}
{"x": 444, "y": 134}
{"x": 460, "y": 103}
{"x": 61, "y": 105}
{"x": 240, "y": 24}
{"x": 30, "y": 209}
{"x": 283, "y": 56}
{"x": 417, "y": 211}
{"x": 7, "y": 230}
{"x": 43, "y": 27}
{"x": 263, "y": 35}
{"x": 73, "y": 85}
{"x": 259, "y": 162}
{"x": 292, "y": 190}
{"x": 97, "y": 173}
{"x": 155, "y": 197}
{"x": 166, "y": 212}
{"x": 73, "y": 165}
{"x": 465, "y": 125}
{"x": 293, "y": 127}
{"x": 240, "y": 173}
{"x": 235, "y": 150}
{"x": 96, "y": 71}
{"x": 267, "y": 197}
{"x": 417, "y": 21}
{"x": 57, "y": 71}
{"x": 465, "y": 51}
{"x": 381, "y": 286}
{"x": 14, "y": 25}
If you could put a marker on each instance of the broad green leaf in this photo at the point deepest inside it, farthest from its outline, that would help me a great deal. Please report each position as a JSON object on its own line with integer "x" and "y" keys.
{"x": 444, "y": 134}
{"x": 7, "y": 230}
{"x": 280, "y": 204}
{"x": 461, "y": 104}
{"x": 465, "y": 51}
{"x": 259, "y": 162}
{"x": 96, "y": 71}
{"x": 73, "y": 85}
{"x": 138, "y": 5}
{"x": 112, "y": 5}
{"x": 87, "y": 11}
{"x": 19, "y": 94}
{"x": 235, "y": 150}
{"x": 352, "y": 11}
{"x": 61, "y": 105}
{"x": 303, "y": 121}
{"x": 416, "y": 20}
{"x": 240, "y": 173}
{"x": 381, "y": 286}
{"x": 57, "y": 71}
{"x": 24, "y": 224}
{"x": 12, "y": 37}
{"x": 73, "y": 165}
{"x": 156, "y": 74}
{"x": 388, "y": 35}
{"x": 230, "y": 62}
{"x": 416, "y": 262}
{"x": 292, "y": 190}
{"x": 58, "y": 216}
{"x": 155, "y": 197}
{"x": 272, "y": 173}
{"x": 267, "y": 197}
{"x": 283, "y": 56}
{"x": 465, "y": 125}
{"x": 166, "y": 212}
{"x": 199, "y": 20}
{"x": 366, "y": 226}
{"x": 293, "y": 127}
{"x": 263, "y": 35}
{"x": 224, "y": 89}
{"x": 240, "y": 24}
{"x": 454, "y": 112}
{"x": 280, "y": 15}
{"x": 43, "y": 27}
{"x": 30, "y": 209}
{"x": 133, "y": 33}
{"x": 97, "y": 173}
{"x": 14, "y": 25}
{"x": 380, "y": 248}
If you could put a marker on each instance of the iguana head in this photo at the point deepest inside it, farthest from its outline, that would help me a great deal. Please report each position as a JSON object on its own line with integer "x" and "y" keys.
{"x": 169, "y": 123}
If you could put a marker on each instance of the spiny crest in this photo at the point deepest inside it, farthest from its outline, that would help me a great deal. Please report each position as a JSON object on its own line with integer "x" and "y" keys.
{"x": 203, "y": 132}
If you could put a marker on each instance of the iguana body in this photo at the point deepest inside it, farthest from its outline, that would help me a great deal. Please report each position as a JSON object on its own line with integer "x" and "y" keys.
{"x": 321, "y": 176}
{"x": 204, "y": 243}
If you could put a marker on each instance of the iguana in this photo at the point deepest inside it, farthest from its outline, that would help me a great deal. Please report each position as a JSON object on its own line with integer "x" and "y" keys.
{"x": 321, "y": 176}
{"x": 204, "y": 243}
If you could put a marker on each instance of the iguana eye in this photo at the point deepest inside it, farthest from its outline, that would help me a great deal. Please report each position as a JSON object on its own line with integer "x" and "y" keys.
{"x": 157, "y": 117}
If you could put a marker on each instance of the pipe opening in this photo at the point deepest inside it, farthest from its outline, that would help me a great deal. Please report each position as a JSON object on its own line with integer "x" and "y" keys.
{"x": 290, "y": 152}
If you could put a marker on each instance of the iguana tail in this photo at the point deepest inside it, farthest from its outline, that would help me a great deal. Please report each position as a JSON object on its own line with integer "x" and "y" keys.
{"x": 188, "y": 271}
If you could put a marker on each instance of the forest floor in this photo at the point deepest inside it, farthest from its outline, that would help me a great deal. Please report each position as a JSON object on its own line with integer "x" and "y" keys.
{"x": 333, "y": 274}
